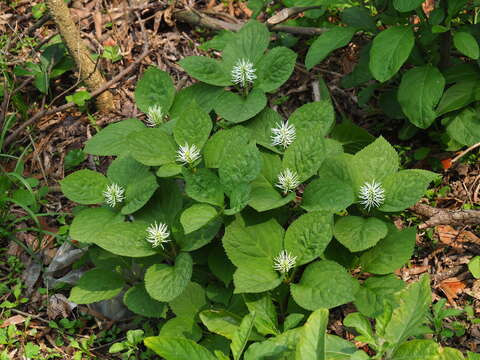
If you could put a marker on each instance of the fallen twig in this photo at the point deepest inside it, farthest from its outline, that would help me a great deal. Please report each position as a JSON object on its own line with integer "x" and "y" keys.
{"x": 464, "y": 152}
{"x": 445, "y": 217}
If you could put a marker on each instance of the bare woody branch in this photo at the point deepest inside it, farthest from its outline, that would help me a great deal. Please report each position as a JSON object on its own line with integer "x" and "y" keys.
{"x": 445, "y": 217}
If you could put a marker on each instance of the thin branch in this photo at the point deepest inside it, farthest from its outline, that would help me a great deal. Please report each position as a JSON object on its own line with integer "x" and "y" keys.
{"x": 445, "y": 217}
{"x": 464, "y": 152}
{"x": 287, "y": 13}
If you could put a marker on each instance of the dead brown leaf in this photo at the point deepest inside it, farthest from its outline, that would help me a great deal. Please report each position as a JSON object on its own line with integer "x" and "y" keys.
{"x": 14, "y": 320}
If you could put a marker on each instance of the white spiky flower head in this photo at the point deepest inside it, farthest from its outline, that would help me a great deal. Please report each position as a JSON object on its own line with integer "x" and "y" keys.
{"x": 114, "y": 194}
{"x": 287, "y": 180}
{"x": 372, "y": 195}
{"x": 188, "y": 154}
{"x": 243, "y": 73}
{"x": 155, "y": 115}
{"x": 284, "y": 262}
{"x": 283, "y": 134}
{"x": 157, "y": 234}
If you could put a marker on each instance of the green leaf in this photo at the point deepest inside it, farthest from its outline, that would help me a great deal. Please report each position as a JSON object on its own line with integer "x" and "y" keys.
{"x": 241, "y": 336}
{"x": 264, "y": 197}
{"x": 169, "y": 170}
{"x": 240, "y": 166}
{"x": 96, "y": 285}
{"x": 406, "y": 320}
{"x": 236, "y": 108}
{"x": 220, "y": 265}
{"x": 466, "y": 44}
{"x": 203, "y": 94}
{"x": 261, "y": 127}
{"x": 275, "y": 68}
{"x": 125, "y": 239}
{"x": 330, "y": 40}
{"x": 390, "y": 49}
{"x": 265, "y": 314}
{"x": 465, "y": 127}
{"x": 352, "y": 137}
{"x": 138, "y": 301}
{"x": 177, "y": 348}
{"x": 155, "y": 87}
{"x": 474, "y": 267}
{"x": 317, "y": 116}
{"x": 206, "y": 69}
{"x": 203, "y": 185}
{"x": 222, "y": 142}
{"x": 197, "y": 216}
{"x": 390, "y": 253}
{"x": 278, "y": 347}
{"x": 164, "y": 282}
{"x": 221, "y": 322}
{"x": 359, "y": 17}
{"x": 419, "y": 92}
{"x": 152, "y": 147}
{"x": 308, "y": 236}
{"x": 369, "y": 300}
{"x": 250, "y": 43}
{"x": 406, "y": 5}
{"x": 306, "y": 154}
{"x": 312, "y": 344}
{"x": 404, "y": 188}
{"x": 252, "y": 248}
{"x": 357, "y": 233}
{"x": 324, "y": 284}
{"x": 89, "y": 222}
{"x": 327, "y": 193}
{"x": 458, "y": 96}
{"x": 374, "y": 162}
{"x": 113, "y": 139}
{"x": 362, "y": 325}
{"x": 189, "y": 302}
{"x": 183, "y": 327}
{"x": 84, "y": 186}
{"x": 193, "y": 126}
{"x": 417, "y": 350}
{"x": 338, "y": 348}
{"x": 196, "y": 239}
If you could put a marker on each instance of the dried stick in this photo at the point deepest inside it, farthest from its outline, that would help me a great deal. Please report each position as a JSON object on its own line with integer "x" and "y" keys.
{"x": 445, "y": 217}
{"x": 464, "y": 152}
{"x": 197, "y": 18}
{"x": 79, "y": 51}
{"x": 287, "y": 13}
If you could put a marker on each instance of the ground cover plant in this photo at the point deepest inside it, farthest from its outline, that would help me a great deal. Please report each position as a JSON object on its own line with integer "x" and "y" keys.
{"x": 229, "y": 227}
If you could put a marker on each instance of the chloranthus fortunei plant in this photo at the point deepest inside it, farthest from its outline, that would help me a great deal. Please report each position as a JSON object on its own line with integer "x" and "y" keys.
{"x": 246, "y": 225}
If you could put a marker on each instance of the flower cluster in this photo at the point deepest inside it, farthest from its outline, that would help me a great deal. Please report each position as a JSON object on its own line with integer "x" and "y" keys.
{"x": 157, "y": 234}
{"x": 188, "y": 154}
{"x": 155, "y": 115}
{"x": 287, "y": 180}
{"x": 243, "y": 73}
{"x": 284, "y": 262}
{"x": 114, "y": 194}
{"x": 372, "y": 195}
{"x": 283, "y": 134}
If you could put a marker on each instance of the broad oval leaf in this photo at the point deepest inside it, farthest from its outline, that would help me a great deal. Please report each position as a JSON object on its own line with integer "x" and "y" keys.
{"x": 155, "y": 88}
{"x": 312, "y": 342}
{"x": 406, "y": 5}
{"x": 466, "y": 44}
{"x": 236, "y": 108}
{"x": 203, "y": 185}
{"x": 164, "y": 282}
{"x": 330, "y": 40}
{"x": 308, "y": 236}
{"x": 125, "y": 239}
{"x": 193, "y": 126}
{"x": 390, "y": 49}
{"x": 84, "y": 186}
{"x": 206, "y": 69}
{"x": 419, "y": 92}
{"x": 357, "y": 233}
{"x": 275, "y": 68}
{"x": 89, "y": 222}
{"x": 324, "y": 284}
{"x": 177, "y": 348}
{"x": 138, "y": 301}
{"x": 97, "y": 285}
{"x": 197, "y": 216}
{"x": 465, "y": 127}
{"x": 152, "y": 147}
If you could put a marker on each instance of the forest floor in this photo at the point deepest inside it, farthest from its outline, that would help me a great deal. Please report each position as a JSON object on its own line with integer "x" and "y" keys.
{"x": 37, "y": 320}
